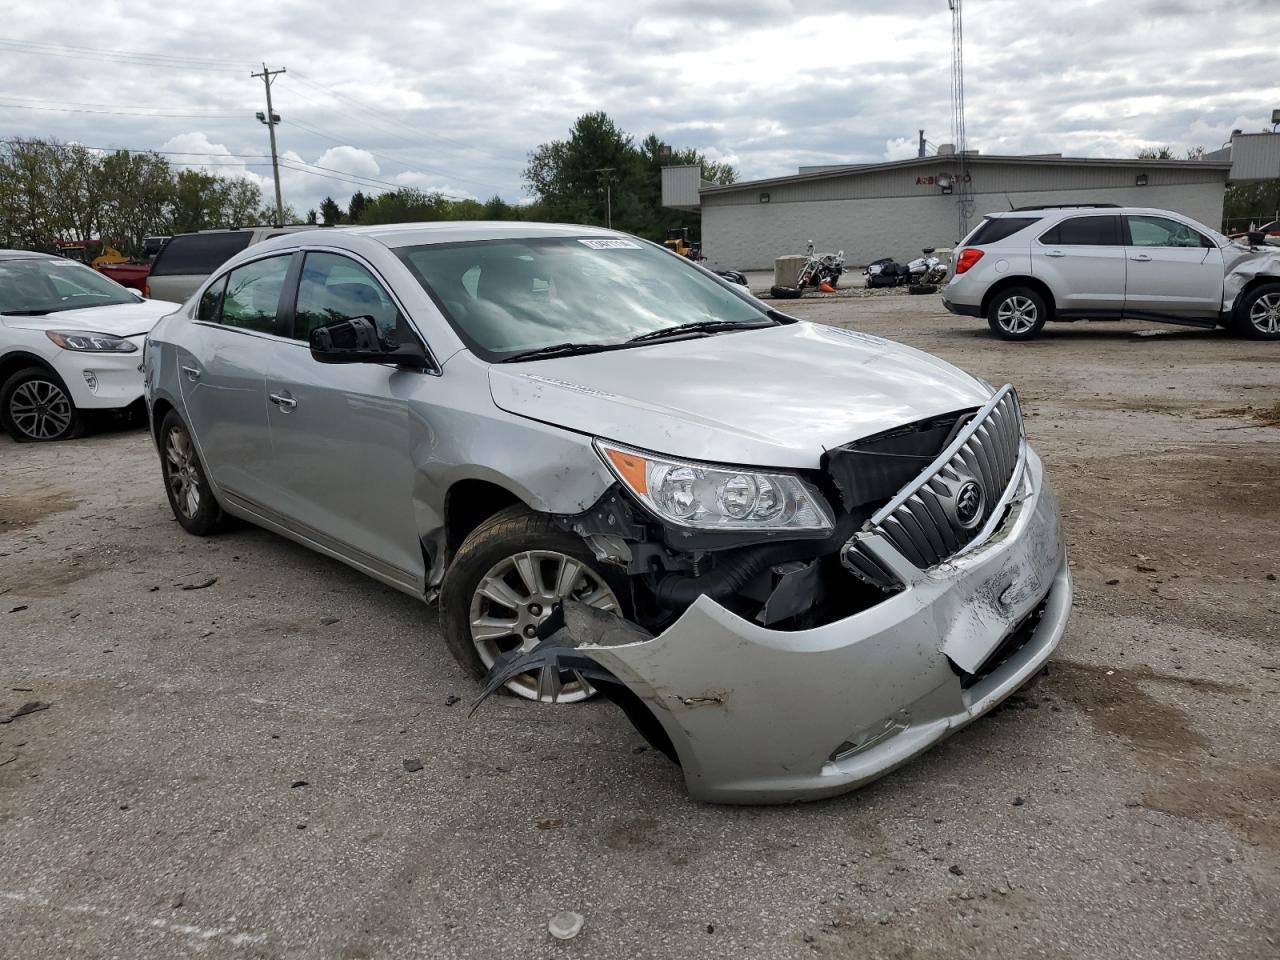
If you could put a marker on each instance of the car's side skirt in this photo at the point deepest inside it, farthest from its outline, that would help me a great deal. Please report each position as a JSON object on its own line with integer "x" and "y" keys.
{"x": 255, "y": 513}
{"x": 1207, "y": 321}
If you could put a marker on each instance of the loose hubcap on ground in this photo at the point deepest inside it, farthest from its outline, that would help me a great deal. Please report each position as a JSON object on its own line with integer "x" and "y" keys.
{"x": 513, "y": 600}
{"x": 1016, "y": 315}
{"x": 40, "y": 409}
{"x": 1265, "y": 313}
{"x": 180, "y": 457}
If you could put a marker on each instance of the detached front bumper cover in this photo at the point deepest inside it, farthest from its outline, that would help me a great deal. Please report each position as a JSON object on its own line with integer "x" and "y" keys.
{"x": 764, "y": 716}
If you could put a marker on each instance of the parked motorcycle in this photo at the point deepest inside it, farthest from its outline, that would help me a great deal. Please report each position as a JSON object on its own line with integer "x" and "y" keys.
{"x": 822, "y": 271}
{"x": 924, "y": 271}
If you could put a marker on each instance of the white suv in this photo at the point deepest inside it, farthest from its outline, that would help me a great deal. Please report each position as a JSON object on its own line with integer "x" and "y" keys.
{"x": 1022, "y": 268}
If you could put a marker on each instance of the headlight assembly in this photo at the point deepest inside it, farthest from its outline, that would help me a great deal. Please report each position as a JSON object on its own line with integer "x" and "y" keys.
{"x": 708, "y": 497}
{"x": 82, "y": 341}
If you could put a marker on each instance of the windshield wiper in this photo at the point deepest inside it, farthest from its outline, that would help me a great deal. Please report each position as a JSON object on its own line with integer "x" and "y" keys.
{"x": 560, "y": 350}
{"x": 24, "y": 313}
{"x": 698, "y": 326}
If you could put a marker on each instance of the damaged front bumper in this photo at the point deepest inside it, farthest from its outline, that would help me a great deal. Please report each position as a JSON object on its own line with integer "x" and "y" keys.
{"x": 765, "y": 716}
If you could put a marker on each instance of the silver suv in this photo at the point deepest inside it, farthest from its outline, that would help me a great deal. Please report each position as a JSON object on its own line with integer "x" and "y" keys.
{"x": 797, "y": 555}
{"x": 1023, "y": 268}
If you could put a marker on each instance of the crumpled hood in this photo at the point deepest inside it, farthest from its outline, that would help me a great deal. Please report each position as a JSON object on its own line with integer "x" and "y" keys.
{"x": 777, "y": 397}
{"x": 121, "y": 319}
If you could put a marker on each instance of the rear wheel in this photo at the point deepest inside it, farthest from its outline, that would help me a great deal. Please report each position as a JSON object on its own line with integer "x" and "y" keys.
{"x": 508, "y": 577}
{"x": 1258, "y": 315}
{"x": 786, "y": 293}
{"x": 36, "y": 407}
{"x": 1017, "y": 313}
{"x": 190, "y": 495}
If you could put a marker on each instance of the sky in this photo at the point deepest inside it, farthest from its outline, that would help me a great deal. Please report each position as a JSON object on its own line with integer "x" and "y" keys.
{"x": 452, "y": 97}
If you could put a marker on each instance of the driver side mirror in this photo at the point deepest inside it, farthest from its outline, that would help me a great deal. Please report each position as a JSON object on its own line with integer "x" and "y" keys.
{"x": 356, "y": 340}
{"x": 1257, "y": 238}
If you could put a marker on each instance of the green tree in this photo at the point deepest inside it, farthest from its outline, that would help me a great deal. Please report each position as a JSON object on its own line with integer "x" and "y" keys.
{"x": 330, "y": 212}
{"x": 1156, "y": 153}
{"x": 568, "y": 177}
{"x": 356, "y": 208}
{"x": 241, "y": 200}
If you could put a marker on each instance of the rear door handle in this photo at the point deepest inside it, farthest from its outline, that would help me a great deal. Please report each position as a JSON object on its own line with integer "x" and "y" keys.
{"x": 1141, "y": 258}
{"x": 1055, "y": 253}
{"x": 283, "y": 400}
{"x": 193, "y": 373}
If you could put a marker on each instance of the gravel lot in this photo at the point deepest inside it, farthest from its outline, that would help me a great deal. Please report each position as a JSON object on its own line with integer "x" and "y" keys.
{"x": 1128, "y": 805}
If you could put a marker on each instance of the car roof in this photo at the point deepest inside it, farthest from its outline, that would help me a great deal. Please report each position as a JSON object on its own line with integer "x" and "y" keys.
{"x": 463, "y": 231}
{"x": 1085, "y": 209}
{"x": 28, "y": 255}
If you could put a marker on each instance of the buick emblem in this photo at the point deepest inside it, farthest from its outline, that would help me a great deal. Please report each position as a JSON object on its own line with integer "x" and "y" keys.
{"x": 969, "y": 504}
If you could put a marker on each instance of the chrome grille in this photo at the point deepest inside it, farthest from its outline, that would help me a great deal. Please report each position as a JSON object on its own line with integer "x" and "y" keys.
{"x": 955, "y": 501}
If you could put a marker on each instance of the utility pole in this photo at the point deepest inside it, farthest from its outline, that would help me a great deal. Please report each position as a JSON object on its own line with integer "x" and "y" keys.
{"x": 271, "y": 119}
{"x": 608, "y": 194}
{"x": 920, "y": 150}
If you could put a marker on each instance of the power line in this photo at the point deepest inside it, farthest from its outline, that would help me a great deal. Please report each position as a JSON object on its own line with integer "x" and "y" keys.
{"x": 124, "y": 53}
{"x": 420, "y": 133}
{"x": 107, "y": 56}
{"x": 425, "y": 171}
{"x": 83, "y": 103}
{"x": 124, "y": 113}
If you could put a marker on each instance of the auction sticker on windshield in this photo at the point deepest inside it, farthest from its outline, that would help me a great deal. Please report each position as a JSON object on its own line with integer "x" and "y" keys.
{"x": 611, "y": 244}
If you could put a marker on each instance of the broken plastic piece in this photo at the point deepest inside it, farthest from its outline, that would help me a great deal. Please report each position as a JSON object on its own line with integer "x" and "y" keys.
{"x": 565, "y": 925}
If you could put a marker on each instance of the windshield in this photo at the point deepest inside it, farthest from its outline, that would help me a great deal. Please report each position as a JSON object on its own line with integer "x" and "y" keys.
{"x": 46, "y": 286}
{"x": 508, "y": 297}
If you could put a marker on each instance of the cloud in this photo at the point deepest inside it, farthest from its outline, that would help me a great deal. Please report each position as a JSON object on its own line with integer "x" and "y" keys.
{"x": 900, "y": 148}
{"x": 410, "y": 98}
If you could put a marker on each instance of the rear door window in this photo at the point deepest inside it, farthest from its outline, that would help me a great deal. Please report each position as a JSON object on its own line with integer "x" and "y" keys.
{"x": 1097, "y": 231}
{"x": 198, "y": 254}
{"x": 995, "y": 229}
{"x": 252, "y": 296}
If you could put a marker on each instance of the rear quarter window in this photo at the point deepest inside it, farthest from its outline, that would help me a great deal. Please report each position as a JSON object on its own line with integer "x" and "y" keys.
{"x": 198, "y": 254}
{"x": 995, "y": 229}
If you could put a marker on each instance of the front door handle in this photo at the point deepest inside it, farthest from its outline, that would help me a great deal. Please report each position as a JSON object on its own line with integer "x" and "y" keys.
{"x": 282, "y": 400}
{"x": 1055, "y": 253}
{"x": 1141, "y": 258}
{"x": 193, "y": 373}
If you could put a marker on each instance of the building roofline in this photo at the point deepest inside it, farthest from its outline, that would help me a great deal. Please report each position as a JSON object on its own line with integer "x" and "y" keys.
{"x": 1224, "y": 165}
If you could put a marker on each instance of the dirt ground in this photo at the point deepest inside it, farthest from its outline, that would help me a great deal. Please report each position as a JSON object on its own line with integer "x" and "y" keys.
{"x": 220, "y": 771}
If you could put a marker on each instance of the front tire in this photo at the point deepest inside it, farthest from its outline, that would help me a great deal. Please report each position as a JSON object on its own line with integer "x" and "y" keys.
{"x": 1017, "y": 313}
{"x": 190, "y": 494}
{"x": 506, "y": 580}
{"x": 1258, "y": 314}
{"x": 35, "y": 407}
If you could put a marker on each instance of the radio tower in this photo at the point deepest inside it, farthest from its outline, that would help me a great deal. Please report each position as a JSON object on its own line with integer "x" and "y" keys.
{"x": 964, "y": 191}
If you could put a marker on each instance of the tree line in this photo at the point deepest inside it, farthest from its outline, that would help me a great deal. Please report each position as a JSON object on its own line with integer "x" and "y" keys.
{"x": 52, "y": 192}
{"x": 597, "y": 175}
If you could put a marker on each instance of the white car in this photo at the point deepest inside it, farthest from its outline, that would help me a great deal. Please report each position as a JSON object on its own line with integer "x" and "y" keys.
{"x": 1022, "y": 268}
{"x": 70, "y": 341}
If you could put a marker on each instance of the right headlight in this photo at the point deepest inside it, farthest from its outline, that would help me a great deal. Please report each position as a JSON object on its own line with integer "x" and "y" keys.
{"x": 711, "y": 497}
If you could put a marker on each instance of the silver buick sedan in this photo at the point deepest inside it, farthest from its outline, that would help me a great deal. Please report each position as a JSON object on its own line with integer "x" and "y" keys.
{"x": 795, "y": 555}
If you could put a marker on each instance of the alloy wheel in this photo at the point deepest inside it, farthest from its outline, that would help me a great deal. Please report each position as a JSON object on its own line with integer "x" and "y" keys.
{"x": 1265, "y": 313}
{"x": 40, "y": 409}
{"x": 182, "y": 475}
{"x": 1017, "y": 315}
{"x": 511, "y": 602}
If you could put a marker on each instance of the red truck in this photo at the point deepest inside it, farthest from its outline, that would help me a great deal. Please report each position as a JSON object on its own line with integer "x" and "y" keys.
{"x": 133, "y": 274}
